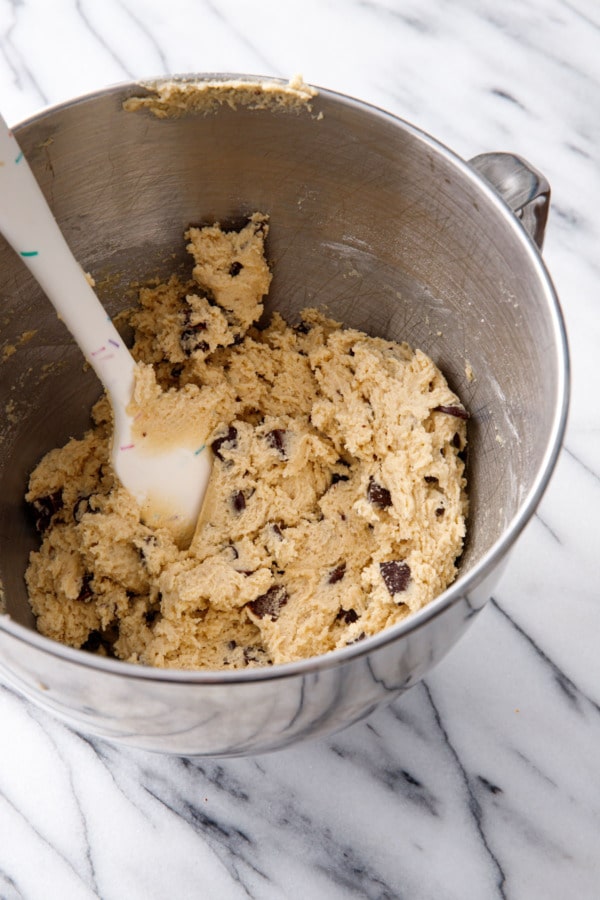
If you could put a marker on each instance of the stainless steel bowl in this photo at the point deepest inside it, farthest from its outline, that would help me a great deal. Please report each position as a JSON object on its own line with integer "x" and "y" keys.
{"x": 388, "y": 230}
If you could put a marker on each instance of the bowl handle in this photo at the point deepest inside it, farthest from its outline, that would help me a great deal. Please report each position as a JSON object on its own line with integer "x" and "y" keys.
{"x": 521, "y": 186}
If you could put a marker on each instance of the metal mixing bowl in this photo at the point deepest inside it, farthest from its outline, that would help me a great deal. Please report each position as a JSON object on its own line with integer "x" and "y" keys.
{"x": 393, "y": 234}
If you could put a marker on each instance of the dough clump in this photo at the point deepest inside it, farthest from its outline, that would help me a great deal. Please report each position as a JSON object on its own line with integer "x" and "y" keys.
{"x": 336, "y": 505}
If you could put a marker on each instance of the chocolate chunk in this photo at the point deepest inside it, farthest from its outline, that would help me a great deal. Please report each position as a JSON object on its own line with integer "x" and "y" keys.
{"x": 440, "y": 511}
{"x": 431, "y": 479}
{"x": 456, "y": 441}
{"x": 396, "y": 575}
{"x": 238, "y": 501}
{"x": 337, "y": 574}
{"x": 86, "y": 593}
{"x": 276, "y": 440}
{"x": 459, "y": 412}
{"x": 269, "y": 604}
{"x": 378, "y": 495}
{"x": 235, "y": 268}
{"x": 44, "y": 509}
{"x": 302, "y": 327}
{"x": 176, "y": 371}
{"x": 349, "y": 616}
{"x": 229, "y": 438}
{"x": 231, "y": 645}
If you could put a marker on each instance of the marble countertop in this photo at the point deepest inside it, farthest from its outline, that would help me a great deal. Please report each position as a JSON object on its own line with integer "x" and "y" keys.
{"x": 484, "y": 780}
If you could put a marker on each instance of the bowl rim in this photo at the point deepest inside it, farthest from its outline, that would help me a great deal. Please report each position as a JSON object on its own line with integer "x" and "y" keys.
{"x": 463, "y": 584}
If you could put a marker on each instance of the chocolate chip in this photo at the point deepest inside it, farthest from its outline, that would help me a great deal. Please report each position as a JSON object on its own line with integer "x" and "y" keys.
{"x": 229, "y": 438}
{"x": 44, "y": 509}
{"x": 431, "y": 479}
{"x": 302, "y": 327}
{"x": 378, "y": 495}
{"x": 459, "y": 412}
{"x": 189, "y": 338}
{"x": 104, "y": 639}
{"x": 176, "y": 371}
{"x": 361, "y": 637}
{"x": 440, "y": 511}
{"x": 270, "y": 603}
{"x": 86, "y": 593}
{"x": 235, "y": 268}
{"x": 456, "y": 441}
{"x": 253, "y": 654}
{"x": 150, "y": 540}
{"x": 195, "y": 329}
{"x": 81, "y": 506}
{"x": 93, "y": 642}
{"x": 231, "y": 645}
{"x": 337, "y": 574}
{"x": 349, "y": 616}
{"x": 238, "y": 501}
{"x": 262, "y": 226}
{"x": 396, "y": 575}
{"x": 276, "y": 440}
{"x": 337, "y": 477}
{"x": 277, "y": 530}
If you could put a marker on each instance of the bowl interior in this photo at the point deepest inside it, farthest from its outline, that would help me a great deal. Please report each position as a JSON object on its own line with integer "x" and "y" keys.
{"x": 370, "y": 220}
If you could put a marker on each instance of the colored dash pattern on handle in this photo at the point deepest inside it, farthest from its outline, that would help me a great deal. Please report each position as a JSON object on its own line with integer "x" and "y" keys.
{"x": 101, "y": 355}
{"x": 28, "y": 252}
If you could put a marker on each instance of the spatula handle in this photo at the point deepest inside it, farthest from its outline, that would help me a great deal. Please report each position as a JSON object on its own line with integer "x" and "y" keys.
{"x": 29, "y": 226}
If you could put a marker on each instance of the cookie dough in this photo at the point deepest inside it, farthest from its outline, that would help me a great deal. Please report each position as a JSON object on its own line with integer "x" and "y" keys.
{"x": 336, "y": 505}
{"x": 171, "y": 99}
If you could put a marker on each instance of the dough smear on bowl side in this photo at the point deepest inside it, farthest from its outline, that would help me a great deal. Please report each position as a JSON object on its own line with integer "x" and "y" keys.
{"x": 337, "y": 499}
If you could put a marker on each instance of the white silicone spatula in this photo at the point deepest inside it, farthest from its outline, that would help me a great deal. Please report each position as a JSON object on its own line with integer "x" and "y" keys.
{"x": 168, "y": 483}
